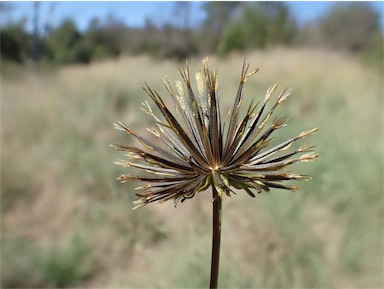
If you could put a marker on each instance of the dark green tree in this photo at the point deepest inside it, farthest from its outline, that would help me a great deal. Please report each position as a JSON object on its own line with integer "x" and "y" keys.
{"x": 258, "y": 25}
{"x": 15, "y": 43}
{"x": 62, "y": 41}
{"x": 104, "y": 39}
{"x": 234, "y": 38}
{"x": 218, "y": 16}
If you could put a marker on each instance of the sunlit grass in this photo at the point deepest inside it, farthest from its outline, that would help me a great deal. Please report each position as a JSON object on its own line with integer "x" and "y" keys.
{"x": 58, "y": 179}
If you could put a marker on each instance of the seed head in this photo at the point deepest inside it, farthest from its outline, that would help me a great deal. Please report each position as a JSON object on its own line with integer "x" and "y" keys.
{"x": 195, "y": 149}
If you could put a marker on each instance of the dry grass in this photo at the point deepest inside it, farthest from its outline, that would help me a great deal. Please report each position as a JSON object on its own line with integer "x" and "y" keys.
{"x": 60, "y": 199}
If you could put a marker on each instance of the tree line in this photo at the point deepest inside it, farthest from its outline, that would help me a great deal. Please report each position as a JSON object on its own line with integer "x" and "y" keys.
{"x": 228, "y": 26}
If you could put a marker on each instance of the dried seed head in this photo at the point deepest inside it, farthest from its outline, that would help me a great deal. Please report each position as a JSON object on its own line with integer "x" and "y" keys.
{"x": 195, "y": 149}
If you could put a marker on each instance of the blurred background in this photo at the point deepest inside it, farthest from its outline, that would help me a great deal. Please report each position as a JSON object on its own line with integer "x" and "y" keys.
{"x": 70, "y": 69}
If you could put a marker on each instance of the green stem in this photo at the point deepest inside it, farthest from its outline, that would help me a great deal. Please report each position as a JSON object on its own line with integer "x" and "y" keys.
{"x": 216, "y": 236}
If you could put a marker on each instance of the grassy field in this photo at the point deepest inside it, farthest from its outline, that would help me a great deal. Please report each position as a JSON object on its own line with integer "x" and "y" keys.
{"x": 66, "y": 221}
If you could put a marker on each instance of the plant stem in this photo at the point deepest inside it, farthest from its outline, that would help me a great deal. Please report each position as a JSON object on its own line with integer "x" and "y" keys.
{"x": 216, "y": 236}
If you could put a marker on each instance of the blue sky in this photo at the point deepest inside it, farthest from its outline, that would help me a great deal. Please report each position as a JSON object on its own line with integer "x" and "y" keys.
{"x": 134, "y": 13}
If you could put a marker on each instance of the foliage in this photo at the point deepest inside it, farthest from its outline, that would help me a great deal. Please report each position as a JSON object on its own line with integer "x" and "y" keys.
{"x": 60, "y": 266}
{"x": 15, "y": 42}
{"x": 233, "y": 38}
{"x": 353, "y": 27}
{"x": 67, "y": 45}
{"x": 228, "y": 26}
{"x": 219, "y": 15}
{"x": 259, "y": 25}
{"x": 104, "y": 39}
{"x": 62, "y": 43}
{"x": 350, "y": 26}
{"x": 67, "y": 265}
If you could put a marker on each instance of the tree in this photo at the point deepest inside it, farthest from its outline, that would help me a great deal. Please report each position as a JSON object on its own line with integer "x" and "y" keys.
{"x": 233, "y": 38}
{"x": 15, "y": 42}
{"x": 349, "y": 26}
{"x": 219, "y": 16}
{"x": 258, "y": 25}
{"x": 61, "y": 42}
{"x": 281, "y": 28}
{"x": 104, "y": 39}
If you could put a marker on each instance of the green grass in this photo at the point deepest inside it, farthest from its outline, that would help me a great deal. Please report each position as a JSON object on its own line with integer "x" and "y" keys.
{"x": 58, "y": 181}
{"x": 58, "y": 266}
